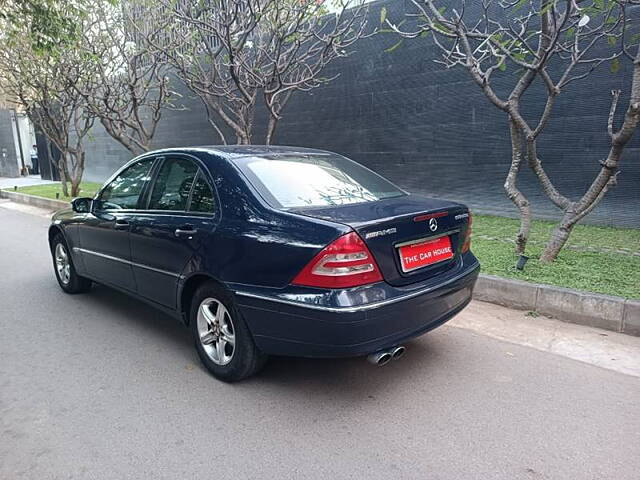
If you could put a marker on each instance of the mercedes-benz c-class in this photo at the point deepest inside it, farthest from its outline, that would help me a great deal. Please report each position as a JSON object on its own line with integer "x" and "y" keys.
{"x": 271, "y": 251}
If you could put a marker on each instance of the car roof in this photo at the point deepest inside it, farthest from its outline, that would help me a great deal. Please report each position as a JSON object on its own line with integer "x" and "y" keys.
{"x": 235, "y": 151}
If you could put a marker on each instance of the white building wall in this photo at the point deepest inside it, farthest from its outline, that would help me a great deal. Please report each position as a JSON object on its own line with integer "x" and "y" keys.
{"x": 15, "y": 124}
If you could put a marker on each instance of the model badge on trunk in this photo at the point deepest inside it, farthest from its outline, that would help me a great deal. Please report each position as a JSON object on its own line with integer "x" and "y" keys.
{"x": 380, "y": 233}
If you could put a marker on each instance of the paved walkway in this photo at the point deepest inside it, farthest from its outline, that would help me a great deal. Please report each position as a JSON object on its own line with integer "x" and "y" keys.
{"x": 10, "y": 182}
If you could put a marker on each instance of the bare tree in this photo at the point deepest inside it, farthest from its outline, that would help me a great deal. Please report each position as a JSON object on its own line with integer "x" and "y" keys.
{"x": 556, "y": 42}
{"x": 127, "y": 84}
{"x": 299, "y": 41}
{"x": 608, "y": 175}
{"x": 231, "y": 53}
{"x": 45, "y": 83}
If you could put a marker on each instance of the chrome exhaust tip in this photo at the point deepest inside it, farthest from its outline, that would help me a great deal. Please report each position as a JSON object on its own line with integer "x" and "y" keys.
{"x": 398, "y": 352}
{"x": 379, "y": 358}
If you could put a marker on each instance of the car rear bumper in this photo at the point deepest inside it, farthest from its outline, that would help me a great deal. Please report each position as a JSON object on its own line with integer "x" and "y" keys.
{"x": 307, "y": 322}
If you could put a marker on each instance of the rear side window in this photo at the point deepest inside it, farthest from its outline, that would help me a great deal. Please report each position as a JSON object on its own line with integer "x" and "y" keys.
{"x": 173, "y": 185}
{"x": 124, "y": 191}
{"x": 202, "y": 199}
{"x": 291, "y": 181}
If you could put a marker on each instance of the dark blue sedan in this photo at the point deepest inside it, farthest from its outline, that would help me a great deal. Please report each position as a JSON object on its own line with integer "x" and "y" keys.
{"x": 271, "y": 251}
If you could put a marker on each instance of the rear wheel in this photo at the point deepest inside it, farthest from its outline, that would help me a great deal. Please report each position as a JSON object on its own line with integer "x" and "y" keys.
{"x": 66, "y": 274}
{"x": 223, "y": 341}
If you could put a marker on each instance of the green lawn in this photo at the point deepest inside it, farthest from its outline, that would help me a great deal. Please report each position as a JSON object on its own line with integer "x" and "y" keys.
{"x": 596, "y": 259}
{"x": 87, "y": 189}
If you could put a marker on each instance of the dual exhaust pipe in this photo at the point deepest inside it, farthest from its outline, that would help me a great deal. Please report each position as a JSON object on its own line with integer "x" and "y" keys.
{"x": 385, "y": 356}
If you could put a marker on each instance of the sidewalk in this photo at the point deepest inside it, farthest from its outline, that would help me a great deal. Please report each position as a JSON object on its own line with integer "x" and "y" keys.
{"x": 9, "y": 182}
{"x": 602, "y": 348}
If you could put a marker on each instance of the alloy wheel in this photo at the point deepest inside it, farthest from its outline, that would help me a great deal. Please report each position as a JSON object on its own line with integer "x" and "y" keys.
{"x": 63, "y": 265}
{"x": 215, "y": 331}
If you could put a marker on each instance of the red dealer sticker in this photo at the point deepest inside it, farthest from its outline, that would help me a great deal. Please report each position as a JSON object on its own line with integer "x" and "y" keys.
{"x": 421, "y": 254}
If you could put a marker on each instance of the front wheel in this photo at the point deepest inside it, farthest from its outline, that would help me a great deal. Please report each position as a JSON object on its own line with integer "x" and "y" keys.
{"x": 223, "y": 341}
{"x": 66, "y": 274}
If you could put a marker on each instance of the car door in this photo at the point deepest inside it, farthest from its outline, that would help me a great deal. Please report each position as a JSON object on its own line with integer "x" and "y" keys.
{"x": 104, "y": 235}
{"x": 181, "y": 215}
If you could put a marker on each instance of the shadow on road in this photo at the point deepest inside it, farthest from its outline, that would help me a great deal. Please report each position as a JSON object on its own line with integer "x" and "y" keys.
{"x": 124, "y": 309}
{"x": 351, "y": 378}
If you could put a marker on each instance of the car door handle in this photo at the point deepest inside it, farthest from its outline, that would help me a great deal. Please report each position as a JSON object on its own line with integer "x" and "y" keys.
{"x": 122, "y": 225}
{"x": 186, "y": 231}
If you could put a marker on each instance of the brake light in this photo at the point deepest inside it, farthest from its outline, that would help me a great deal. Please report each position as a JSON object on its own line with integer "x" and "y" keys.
{"x": 344, "y": 263}
{"x": 429, "y": 216}
{"x": 466, "y": 246}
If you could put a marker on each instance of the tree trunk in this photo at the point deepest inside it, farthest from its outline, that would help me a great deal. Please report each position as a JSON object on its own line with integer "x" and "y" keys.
{"x": 559, "y": 236}
{"x": 271, "y": 129}
{"x": 516, "y": 196}
{"x": 59, "y": 166}
{"x": 244, "y": 135}
{"x": 75, "y": 187}
{"x": 65, "y": 188}
{"x": 62, "y": 171}
{"x": 78, "y": 172}
{"x": 244, "y": 130}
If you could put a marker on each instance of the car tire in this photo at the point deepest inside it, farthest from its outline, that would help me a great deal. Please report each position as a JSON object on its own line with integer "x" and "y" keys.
{"x": 65, "y": 271}
{"x": 221, "y": 336}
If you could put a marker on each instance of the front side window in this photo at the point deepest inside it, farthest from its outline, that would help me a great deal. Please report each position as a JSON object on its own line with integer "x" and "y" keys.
{"x": 292, "y": 181}
{"x": 124, "y": 191}
{"x": 173, "y": 185}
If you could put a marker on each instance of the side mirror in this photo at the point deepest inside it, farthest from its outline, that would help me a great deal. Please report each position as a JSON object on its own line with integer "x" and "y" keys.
{"x": 82, "y": 204}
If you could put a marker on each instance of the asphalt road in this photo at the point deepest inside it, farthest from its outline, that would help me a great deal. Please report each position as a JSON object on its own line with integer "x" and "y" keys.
{"x": 101, "y": 386}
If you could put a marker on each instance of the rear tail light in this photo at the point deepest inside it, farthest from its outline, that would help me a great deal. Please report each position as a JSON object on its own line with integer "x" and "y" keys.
{"x": 344, "y": 263}
{"x": 466, "y": 246}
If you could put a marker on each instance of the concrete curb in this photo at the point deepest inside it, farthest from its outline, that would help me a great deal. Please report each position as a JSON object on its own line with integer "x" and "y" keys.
{"x": 574, "y": 306}
{"x": 33, "y": 200}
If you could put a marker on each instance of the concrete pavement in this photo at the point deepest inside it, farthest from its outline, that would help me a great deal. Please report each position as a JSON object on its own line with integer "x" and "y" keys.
{"x": 10, "y": 182}
{"x": 614, "y": 351}
{"x": 101, "y": 386}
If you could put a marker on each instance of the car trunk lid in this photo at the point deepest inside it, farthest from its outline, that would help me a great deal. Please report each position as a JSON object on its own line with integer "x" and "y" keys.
{"x": 411, "y": 237}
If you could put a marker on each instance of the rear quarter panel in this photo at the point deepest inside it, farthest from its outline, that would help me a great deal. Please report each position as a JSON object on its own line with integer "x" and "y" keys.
{"x": 254, "y": 244}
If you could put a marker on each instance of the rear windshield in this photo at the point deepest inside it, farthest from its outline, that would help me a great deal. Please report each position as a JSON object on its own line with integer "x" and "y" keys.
{"x": 293, "y": 181}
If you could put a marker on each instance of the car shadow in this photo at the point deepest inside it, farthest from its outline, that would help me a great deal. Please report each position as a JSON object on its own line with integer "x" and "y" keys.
{"x": 353, "y": 379}
{"x": 114, "y": 304}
